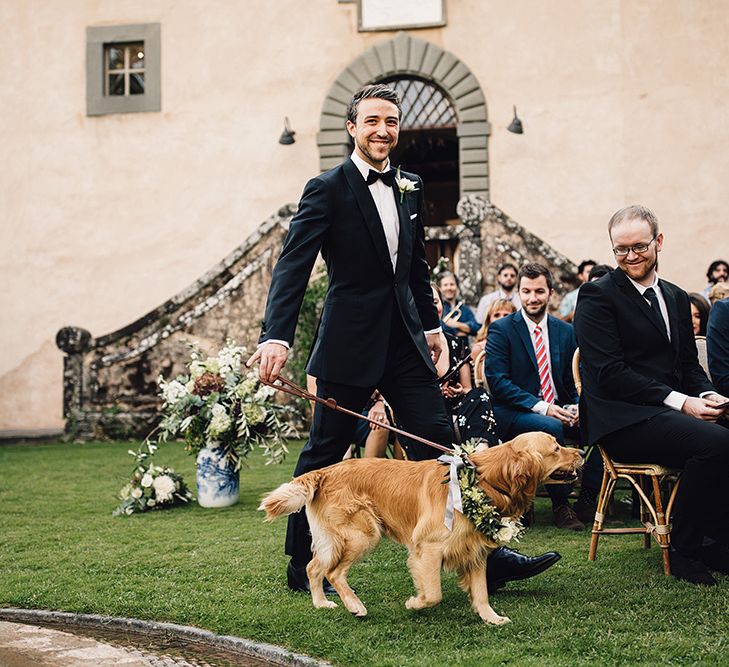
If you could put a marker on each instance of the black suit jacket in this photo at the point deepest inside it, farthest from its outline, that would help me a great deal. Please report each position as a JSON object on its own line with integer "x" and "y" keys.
{"x": 511, "y": 366}
{"x": 338, "y": 216}
{"x": 629, "y": 366}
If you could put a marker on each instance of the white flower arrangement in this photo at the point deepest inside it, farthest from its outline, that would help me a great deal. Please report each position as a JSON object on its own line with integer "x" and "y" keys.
{"x": 152, "y": 487}
{"x": 220, "y": 403}
{"x": 404, "y": 185}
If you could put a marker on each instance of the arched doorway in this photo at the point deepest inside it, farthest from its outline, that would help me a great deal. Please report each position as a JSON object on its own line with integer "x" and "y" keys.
{"x": 448, "y": 148}
{"x": 428, "y": 146}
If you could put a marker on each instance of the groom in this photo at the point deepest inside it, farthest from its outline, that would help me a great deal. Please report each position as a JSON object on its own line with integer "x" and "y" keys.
{"x": 379, "y": 327}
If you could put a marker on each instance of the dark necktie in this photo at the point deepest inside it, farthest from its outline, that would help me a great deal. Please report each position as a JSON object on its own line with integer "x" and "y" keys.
{"x": 387, "y": 177}
{"x": 650, "y": 294}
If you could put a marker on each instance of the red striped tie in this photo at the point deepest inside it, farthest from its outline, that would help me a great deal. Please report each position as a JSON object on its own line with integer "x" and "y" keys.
{"x": 543, "y": 366}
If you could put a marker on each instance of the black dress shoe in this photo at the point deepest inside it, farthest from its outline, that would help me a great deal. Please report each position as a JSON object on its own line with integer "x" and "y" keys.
{"x": 690, "y": 569}
{"x": 506, "y": 565}
{"x": 299, "y": 581}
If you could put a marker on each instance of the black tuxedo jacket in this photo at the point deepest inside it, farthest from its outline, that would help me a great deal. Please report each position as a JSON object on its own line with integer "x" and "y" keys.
{"x": 629, "y": 365}
{"x": 511, "y": 366}
{"x": 337, "y": 216}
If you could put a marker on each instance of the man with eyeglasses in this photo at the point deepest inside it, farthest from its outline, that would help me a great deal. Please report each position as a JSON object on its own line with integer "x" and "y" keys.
{"x": 645, "y": 397}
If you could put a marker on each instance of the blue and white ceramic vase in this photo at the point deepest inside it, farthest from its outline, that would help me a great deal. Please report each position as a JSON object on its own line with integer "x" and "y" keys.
{"x": 218, "y": 482}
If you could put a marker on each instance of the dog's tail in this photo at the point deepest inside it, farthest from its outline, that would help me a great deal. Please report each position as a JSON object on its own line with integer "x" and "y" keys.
{"x": 290, "y": 497}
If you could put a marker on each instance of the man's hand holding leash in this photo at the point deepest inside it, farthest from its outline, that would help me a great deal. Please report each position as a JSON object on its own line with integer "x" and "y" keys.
{"x": 272, "y": 358}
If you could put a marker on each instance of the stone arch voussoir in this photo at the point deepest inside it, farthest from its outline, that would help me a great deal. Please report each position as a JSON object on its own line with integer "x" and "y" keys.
{"x": 405, "y": 55}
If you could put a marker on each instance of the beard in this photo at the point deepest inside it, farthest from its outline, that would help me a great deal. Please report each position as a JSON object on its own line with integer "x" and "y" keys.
{"x": 381, "y": 154}
{"x": 536, "y": 312}
{"x": 641, "y": 271}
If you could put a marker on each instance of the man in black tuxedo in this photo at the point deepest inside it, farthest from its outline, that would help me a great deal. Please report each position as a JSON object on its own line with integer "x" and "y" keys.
{"x": 379, "y": 327}
{"x": 646, "y": 398}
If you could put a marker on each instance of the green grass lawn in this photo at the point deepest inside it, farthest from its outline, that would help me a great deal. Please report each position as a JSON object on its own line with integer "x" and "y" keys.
{"x": 224, "y": 570}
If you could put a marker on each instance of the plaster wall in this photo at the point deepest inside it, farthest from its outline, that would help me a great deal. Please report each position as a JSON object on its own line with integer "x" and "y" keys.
{"x": 103, "y": 218}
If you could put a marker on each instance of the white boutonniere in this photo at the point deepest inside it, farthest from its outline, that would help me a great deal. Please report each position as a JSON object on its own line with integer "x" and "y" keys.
{"x": 404, "y": 184}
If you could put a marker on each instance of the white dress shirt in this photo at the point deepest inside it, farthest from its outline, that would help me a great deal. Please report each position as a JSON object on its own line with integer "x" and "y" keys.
{"x": 386, "y": 206}
{"x": 541, "y": 407}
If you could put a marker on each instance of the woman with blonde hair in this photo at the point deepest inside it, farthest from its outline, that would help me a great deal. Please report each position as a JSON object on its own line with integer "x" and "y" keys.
{"x": 498, "y": 309}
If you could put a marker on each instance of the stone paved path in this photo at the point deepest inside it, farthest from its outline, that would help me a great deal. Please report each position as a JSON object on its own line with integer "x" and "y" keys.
{"x": 33, "y": 646}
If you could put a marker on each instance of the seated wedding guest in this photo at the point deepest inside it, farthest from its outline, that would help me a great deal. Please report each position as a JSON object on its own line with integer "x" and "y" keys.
{"x": 718, "y": 272}
{"x": 699, "y": 313}
{"x": 529, "y": 371}
{"x": 717, "y": 345}
{"x": 718, "y": 292}
{"x": 598, "y": 271}
{"x": 498, "y": 309}
{"x": 569, "y": 301}
{"x": 457, "y": 319}
{"x": 506, "y": 278}
{"x": 645, "y": 396}
{"x": 469, "y": 405}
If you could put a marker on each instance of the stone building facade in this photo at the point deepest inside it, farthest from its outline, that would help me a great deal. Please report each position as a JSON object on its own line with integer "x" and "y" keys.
{"x": 108, "y": 211}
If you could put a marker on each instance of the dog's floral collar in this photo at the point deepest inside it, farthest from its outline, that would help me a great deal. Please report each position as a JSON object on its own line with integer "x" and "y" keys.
{"x": 468, "y": 498}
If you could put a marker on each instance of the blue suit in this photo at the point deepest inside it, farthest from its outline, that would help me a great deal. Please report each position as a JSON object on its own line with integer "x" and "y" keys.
{"x": 513, "y": 378}
{"x": 717, "y": 346}
{"x": 511, "y": 369}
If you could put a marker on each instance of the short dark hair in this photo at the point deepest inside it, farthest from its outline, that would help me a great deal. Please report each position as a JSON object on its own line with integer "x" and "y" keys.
{"x": 532, "y": 270}
{"x": 634, "y": 212}
{"x": 584, "y": 263}
{"x": 714, "y": 266}
{"x": 598, "y": 271}
{"x": 508, "y": 265}
{"x": 376, "y": 90}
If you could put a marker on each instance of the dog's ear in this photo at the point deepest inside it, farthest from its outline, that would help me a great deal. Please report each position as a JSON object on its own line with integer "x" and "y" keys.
{"x": 523, "y": 474}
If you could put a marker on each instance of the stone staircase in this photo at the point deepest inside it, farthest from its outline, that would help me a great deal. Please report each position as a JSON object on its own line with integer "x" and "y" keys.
{"x": 110, "y": 382}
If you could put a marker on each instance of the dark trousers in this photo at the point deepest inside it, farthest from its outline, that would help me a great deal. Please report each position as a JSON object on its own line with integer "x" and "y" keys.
{"x": 701, "y": 450}
{"x": 408, "y": 385}
{"x": 525, "y": 422}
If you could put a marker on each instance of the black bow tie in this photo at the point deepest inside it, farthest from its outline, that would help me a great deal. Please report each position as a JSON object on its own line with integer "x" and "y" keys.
{"x": 387, "y": 177}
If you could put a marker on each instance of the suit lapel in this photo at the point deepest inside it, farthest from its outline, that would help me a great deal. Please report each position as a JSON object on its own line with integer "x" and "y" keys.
{"x": 672, "y": 307}
{"x": 405, "y": 237}
{"x": 555, "y": 349}
{"x": 523, "y": 331}
{"x": 641, "y": 304}
{"x": 369, "y": 212}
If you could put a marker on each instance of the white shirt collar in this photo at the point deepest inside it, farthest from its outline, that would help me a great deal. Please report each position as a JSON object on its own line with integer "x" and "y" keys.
{"x": 642, "y": 288}
{"x": 533, "y": 325}
{"x": 364, "y": 167}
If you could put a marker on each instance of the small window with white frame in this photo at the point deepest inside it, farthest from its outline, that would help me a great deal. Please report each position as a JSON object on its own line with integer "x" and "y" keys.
{"x": 124, "y": 69}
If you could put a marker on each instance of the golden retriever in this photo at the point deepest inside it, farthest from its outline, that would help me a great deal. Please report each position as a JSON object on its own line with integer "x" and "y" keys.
{"x": 351, "y": 504}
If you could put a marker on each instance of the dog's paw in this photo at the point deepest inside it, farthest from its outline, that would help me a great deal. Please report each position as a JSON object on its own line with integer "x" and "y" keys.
{"x": 414, "y": 602}
{"x": 495, "y": 619}
{"x": 326, "y": 604}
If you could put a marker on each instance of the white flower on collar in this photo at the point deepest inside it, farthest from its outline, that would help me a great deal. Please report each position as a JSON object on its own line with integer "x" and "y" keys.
{"x": 404, "y": 185}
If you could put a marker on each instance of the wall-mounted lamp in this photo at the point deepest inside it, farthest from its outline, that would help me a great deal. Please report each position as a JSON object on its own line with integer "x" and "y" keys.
{"x": 287, "y": 136}
{"x": 515, "y": 126}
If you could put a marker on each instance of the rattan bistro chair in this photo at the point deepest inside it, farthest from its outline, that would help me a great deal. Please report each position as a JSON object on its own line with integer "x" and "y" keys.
{"x": 646, "y": 479}
{"x": 703, "y": 354}
{"x": 479, "y": 376}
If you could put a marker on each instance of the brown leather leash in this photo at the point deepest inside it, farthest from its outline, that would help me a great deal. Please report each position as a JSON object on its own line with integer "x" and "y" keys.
{"x": 289, "y": 387}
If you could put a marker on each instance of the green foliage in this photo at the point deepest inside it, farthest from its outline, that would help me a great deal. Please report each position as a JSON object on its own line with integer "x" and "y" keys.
{"x": 307, "y": 325}
{"x": 224, "y": 570}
